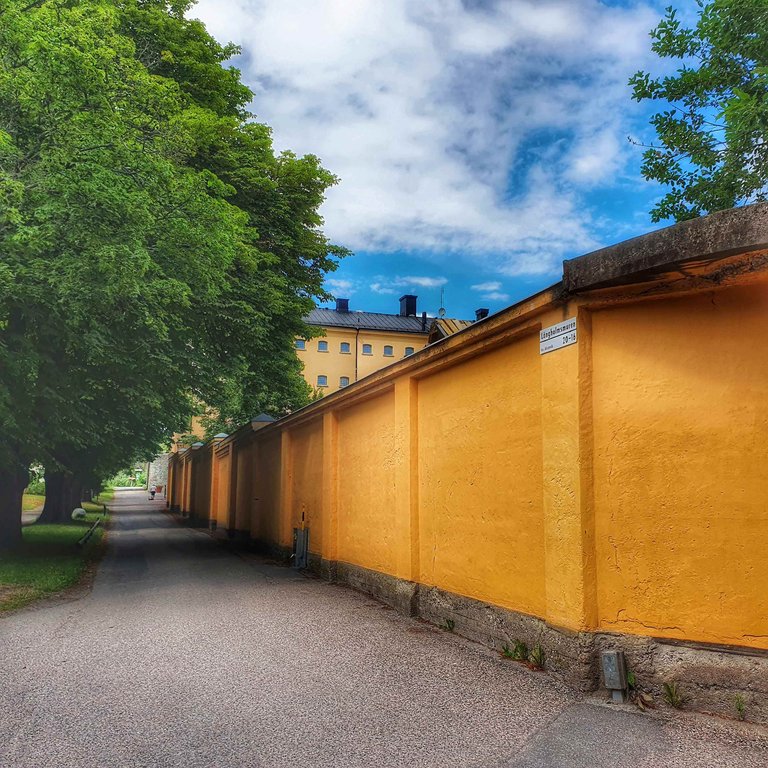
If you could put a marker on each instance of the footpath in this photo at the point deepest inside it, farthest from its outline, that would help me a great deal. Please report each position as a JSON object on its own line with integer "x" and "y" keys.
{"x": 187, "y": 655}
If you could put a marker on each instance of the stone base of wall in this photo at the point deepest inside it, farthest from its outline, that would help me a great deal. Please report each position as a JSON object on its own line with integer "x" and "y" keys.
{"x": 399, "y": 594}
{"x": 569, "y": 655}
{"x": 709, "y": 677}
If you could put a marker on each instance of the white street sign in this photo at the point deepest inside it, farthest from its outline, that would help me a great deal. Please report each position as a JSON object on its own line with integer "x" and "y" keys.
{"x": 557, "y": 336}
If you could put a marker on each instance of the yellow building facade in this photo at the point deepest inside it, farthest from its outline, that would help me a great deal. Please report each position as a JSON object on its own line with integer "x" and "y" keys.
{"x": 356, "y": 344}
{"x": 585, "y": 470}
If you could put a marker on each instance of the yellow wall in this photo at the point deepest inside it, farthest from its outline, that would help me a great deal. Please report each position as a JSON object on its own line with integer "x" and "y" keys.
{"x": 334, "y": 364}
{"x": 366, "y": 490}
{"x": 616, "y": 484}
{"x": 222, "y": 490}
{"x": 306, "y": 477}
{"x": 265, "y": 518}
{"x": 681, "y": 477}
{"x": 480, "y": 478}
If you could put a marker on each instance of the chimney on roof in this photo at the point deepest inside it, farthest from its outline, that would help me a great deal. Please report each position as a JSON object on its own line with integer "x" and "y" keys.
{"x": 408, "y": 305}
{"x": 342, "y": 305}
{"x": 424, "y": 321}
{"x": 481, "y": 313}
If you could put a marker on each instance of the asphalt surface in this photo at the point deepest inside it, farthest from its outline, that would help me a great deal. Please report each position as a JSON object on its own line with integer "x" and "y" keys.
{"x": 185, "y": 654}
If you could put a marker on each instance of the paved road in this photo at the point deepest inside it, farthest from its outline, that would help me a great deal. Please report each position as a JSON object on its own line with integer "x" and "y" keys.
{"x": 186, "y": 655}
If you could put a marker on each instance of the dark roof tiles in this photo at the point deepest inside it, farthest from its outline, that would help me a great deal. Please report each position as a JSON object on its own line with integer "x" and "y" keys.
{"x": 368, "y": 321}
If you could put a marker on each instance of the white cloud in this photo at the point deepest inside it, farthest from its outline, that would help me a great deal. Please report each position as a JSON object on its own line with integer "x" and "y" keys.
{"x": 490, "y": 286}
{"x": 398, "y": 284}
{"x": 382, "y": 288}
{"x": 461, "y": 129}
{"x": 496, "y": 296}
{"x": 341, "y": 288}
{"x": 422, "y": 282}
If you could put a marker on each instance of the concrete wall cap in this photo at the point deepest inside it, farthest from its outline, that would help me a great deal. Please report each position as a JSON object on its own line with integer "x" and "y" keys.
{"x": 721, "y": 234}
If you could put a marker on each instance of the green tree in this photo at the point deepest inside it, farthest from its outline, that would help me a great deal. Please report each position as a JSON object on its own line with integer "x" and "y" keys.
{"x": 279, "y": 270}
{"x": 712, "y": 138}
{"x": 154, "y": 252}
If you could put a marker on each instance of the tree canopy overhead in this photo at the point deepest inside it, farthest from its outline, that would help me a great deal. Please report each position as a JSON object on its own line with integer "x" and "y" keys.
{"x": 711, "y": 148}
{"x": 155, "y": 253}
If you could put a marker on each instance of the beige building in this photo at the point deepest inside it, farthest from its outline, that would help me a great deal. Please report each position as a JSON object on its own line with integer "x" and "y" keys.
{"x": 359, "y": 343}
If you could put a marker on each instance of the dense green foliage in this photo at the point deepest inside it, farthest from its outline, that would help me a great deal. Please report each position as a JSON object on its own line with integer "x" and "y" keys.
{"x": 155, "y": 253}
{"x": 712, "y": 148}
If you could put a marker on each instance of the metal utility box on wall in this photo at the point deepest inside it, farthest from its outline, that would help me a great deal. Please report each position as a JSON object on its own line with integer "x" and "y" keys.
{"x": 300, "y": 547}
{"x": 615, "y": 674}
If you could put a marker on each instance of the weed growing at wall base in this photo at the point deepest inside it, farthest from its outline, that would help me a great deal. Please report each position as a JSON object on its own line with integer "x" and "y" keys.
{"x": 673, "y": 695}
{"x": 536, "y": 657}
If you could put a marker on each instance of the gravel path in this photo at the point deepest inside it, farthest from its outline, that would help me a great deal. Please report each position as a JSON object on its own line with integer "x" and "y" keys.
{"x": 187, "y": 655}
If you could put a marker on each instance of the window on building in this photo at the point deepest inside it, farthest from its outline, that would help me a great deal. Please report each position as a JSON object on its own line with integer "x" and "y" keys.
{"x": 367, "y": 349}
{"x": 408, "y": 351}
{"x": 345, "y": 350}
{"x": 388, "y": 351}
{"x": 300, "y": 344}
{"x": 344, "y": 381}
{"x": 322, "y": 381}
{"x": 322, "y": 346}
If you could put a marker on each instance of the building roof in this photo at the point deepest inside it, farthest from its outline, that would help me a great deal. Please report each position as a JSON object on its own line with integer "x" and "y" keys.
{"x": 368, "y": 321}
{"x": 446, "y": 326}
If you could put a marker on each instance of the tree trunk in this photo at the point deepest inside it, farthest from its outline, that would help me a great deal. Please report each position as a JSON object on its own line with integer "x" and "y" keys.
{"x": 75, "y": 494}
{"x": 13, "y": 480}
{"x": 58, "y": 490}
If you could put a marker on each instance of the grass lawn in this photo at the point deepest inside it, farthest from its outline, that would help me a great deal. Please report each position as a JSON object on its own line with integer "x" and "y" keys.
{"x": 105, "y": 496}
{"x": 49, "y": 560}
{"x": 31, "y": 501}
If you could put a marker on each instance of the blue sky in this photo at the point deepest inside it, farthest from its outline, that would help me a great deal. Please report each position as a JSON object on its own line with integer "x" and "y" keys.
{"x": 478, "y": 144}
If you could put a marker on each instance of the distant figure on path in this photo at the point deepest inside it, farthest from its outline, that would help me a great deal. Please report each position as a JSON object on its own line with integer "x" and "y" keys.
{"x": 152, "y": 492}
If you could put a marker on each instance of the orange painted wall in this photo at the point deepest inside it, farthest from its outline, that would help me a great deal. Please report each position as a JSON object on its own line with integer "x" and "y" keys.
{"x": 265, "y": 516}
{"x": 222, "y": 494}
{"x": 480, "y": 478}
{"x": 617, "y": 484}
{"x": 307, "y": 481}
{"x": 681, "y": 469}
{"x": 367, "y": 533}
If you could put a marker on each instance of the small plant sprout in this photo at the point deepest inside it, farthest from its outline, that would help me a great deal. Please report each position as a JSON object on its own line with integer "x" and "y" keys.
{"x": 536, "y": 657}
{"x": 449, "y": 625}
{"x": 673, "y": 695}
{"x": 507, "y": 652}
{"x": 631, "y": 680}
{"x": 739, "y": 703}
{"x": 520, "y": 651}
